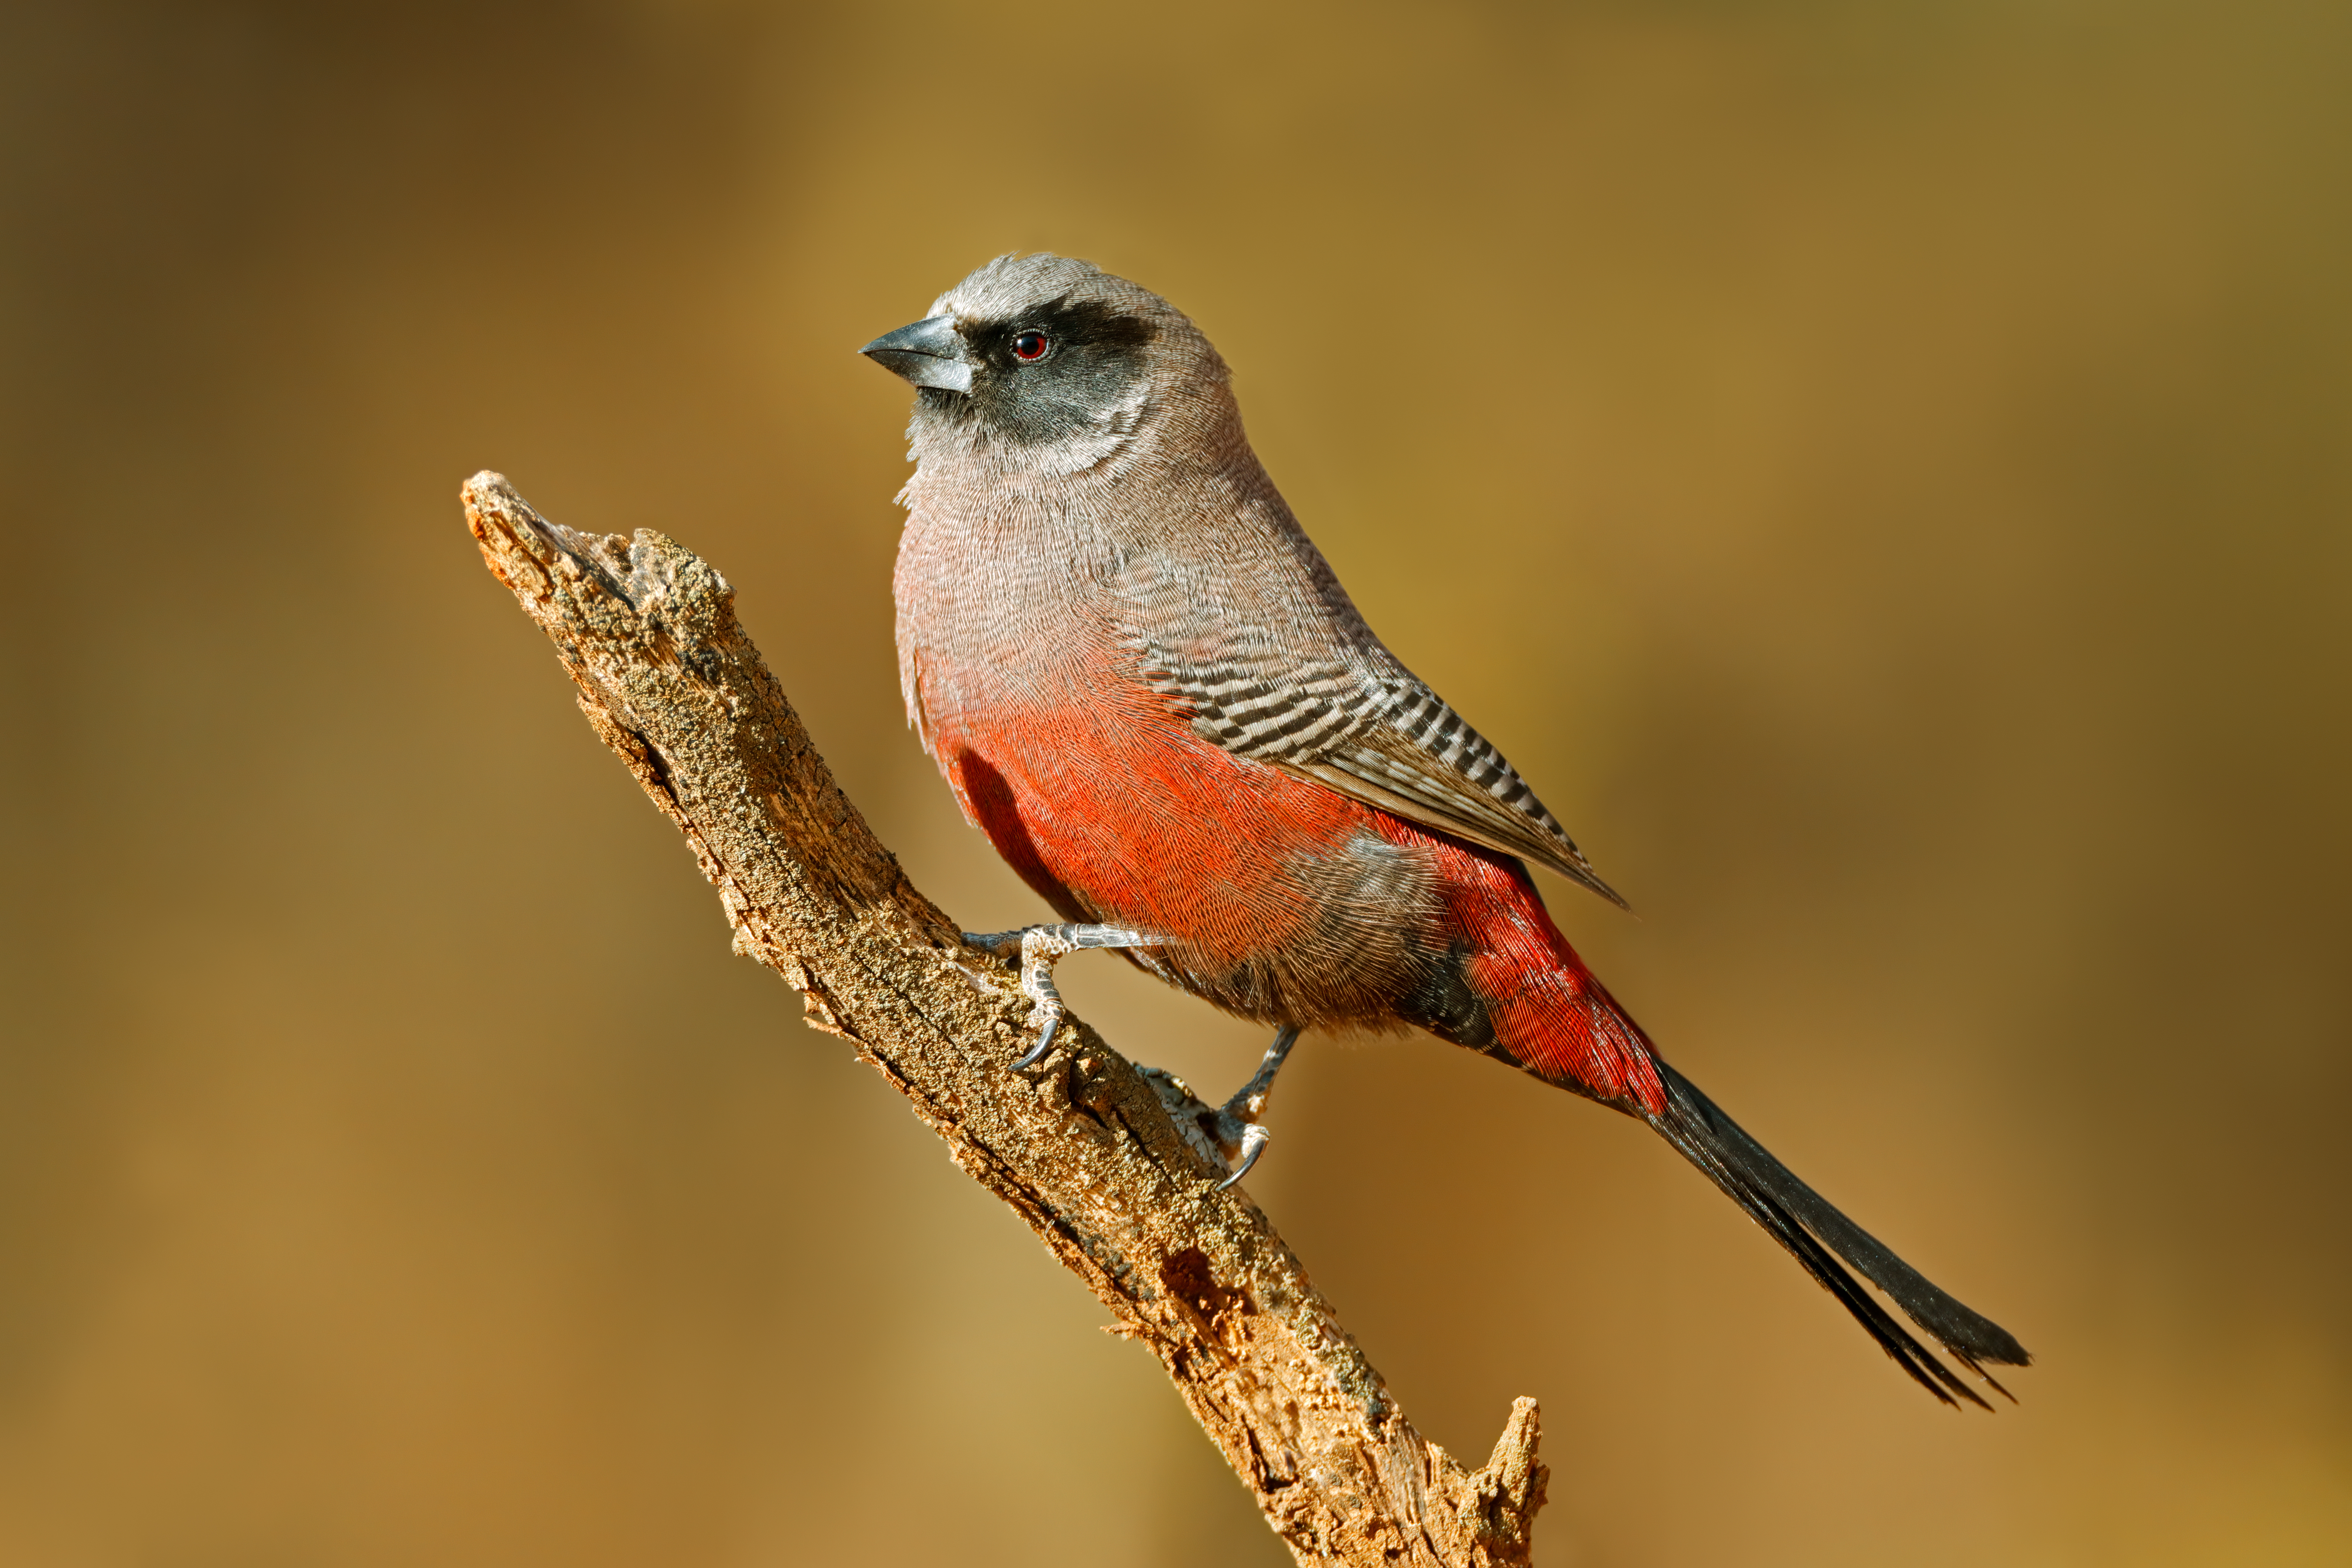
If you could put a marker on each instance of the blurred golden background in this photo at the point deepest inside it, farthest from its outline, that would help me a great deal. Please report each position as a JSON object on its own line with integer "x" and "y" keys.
{"x": 1884, "y": 473}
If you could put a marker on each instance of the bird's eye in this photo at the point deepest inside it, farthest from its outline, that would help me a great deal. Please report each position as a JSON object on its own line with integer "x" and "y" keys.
{"x": 1029, "y": 345}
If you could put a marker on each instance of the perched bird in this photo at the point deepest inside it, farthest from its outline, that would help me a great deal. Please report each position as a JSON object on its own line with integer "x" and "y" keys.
{"x": 1146, "y": 685}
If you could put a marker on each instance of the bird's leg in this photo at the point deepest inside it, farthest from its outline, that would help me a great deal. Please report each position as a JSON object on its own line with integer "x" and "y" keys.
{"x": 1228, "y": 1134}
{"x": 1241, "y": 1113}
{"x": 1038, "y": 947}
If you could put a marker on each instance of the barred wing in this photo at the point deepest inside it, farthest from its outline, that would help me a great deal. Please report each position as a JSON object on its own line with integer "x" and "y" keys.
{"x": 1383, "y": 739}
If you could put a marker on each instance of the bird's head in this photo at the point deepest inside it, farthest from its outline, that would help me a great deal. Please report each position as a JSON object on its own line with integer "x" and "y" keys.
{"x": 1051, "y": 365}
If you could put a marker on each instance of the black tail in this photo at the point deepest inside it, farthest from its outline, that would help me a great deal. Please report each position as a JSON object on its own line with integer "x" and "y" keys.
{"x": 1800, "y": 1219}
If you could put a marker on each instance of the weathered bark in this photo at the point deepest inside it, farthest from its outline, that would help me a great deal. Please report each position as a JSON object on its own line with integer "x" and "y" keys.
{"x": 1081, "y": 1146}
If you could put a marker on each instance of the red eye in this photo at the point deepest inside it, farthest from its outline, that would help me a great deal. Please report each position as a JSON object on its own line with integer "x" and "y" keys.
{"x": 1029, "y": 345}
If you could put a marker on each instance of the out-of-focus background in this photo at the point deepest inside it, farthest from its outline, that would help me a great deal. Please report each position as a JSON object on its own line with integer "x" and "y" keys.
{"x": 1885, "y": 473}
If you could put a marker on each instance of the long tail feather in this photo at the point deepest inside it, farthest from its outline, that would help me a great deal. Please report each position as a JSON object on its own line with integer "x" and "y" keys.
{"x": 1817, "y": 1236}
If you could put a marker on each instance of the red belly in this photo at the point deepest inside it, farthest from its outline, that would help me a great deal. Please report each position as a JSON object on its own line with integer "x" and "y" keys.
{"x": 1129, "y": 817}
{"x": 1283, "y": 901}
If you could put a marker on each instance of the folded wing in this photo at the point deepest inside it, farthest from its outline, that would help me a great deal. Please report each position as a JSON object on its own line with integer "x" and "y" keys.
{"x": 1384, "y": 737}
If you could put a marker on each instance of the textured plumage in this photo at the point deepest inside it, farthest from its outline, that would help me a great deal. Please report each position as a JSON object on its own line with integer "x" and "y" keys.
{"x": 1376, "y": 734}
{"x": 1147, "y": 686}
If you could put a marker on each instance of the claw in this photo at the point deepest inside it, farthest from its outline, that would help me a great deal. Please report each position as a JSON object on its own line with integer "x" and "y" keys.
{"x": 1253, "y": 1142}
{"x": 1037, "y": 1052}
{"x": 1229, "y": 1135}
{"x": 1248, "y": 1103}
{"x": 1038, "y": 947}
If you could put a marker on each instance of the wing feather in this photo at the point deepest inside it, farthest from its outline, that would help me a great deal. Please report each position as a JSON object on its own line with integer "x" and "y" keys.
{"x": 1384, "y": 737}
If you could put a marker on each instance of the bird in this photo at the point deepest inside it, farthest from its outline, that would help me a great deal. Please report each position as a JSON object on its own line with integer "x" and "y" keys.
{"x": 1146, "y": 685}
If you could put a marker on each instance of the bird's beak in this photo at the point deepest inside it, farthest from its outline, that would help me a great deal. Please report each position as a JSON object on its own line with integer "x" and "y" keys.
{"x": 928, "y": 354}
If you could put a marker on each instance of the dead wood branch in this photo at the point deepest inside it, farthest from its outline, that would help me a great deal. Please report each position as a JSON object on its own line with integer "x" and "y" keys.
{"x": 1081, "y": 1146}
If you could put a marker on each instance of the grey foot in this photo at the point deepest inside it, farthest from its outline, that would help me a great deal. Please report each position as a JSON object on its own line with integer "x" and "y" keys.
{"x": 1038, "y": 948}
{"x": 1231, "y": 1134}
